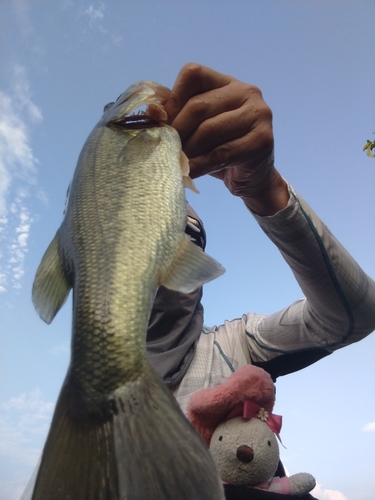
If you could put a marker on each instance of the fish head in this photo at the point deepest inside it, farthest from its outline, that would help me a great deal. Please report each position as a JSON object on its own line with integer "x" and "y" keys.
{"x": 141, "y": 107}
{"x": 126, "y": 112}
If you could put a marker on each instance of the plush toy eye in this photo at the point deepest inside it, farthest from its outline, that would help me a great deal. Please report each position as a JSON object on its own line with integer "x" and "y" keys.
{"x": 220, "y": 438}
{"x": 269, "y": 443}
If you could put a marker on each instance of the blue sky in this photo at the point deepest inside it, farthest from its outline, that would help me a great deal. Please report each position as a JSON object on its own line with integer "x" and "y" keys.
{"x": 62, "y": 61}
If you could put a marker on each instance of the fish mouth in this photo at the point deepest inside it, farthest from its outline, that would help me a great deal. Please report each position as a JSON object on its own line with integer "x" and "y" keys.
{"x": 138, "y": 121}
{"x": 153, "y": 116}
{"x": 141, "y": 106}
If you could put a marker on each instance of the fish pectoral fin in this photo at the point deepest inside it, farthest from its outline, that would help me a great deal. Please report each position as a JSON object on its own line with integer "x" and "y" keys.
{"x": 191, "y": 269}
{"x": 185, "y": 169}
{"x": 51, "y": 286}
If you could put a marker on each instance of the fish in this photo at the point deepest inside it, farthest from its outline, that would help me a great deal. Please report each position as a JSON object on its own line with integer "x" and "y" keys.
{"x": 117, "y": 431}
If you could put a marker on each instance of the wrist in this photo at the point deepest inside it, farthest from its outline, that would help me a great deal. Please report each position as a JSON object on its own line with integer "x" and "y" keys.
{"x": 269, "y": 197}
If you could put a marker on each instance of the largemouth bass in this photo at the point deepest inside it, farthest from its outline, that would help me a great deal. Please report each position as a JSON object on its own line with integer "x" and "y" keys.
{"x": 117, "y": 431}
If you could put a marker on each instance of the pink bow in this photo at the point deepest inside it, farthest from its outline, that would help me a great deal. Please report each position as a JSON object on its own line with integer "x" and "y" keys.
{"x": 248, "y": 409}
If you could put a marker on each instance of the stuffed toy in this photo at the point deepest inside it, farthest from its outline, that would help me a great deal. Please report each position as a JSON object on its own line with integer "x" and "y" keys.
{"x": 235, "y": 420}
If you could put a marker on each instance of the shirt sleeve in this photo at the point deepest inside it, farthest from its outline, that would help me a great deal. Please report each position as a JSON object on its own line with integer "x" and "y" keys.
{"x": 339, "y": 304}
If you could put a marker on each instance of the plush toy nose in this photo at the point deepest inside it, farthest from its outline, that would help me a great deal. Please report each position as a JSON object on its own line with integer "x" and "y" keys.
{"x": 245, "y": 454}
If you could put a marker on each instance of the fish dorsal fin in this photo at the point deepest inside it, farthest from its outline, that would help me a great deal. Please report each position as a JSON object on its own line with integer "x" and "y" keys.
{"x": 51, "y": 287}
{"x": 191, "y": 269}
{"x": 185, "y": 169}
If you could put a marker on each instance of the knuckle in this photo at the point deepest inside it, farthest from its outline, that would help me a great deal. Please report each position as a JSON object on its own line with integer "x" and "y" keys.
{"x": 209, "y": 132}
{"x": 260, "y": 118}
{"x": 173, "y": 99}
{"x": 266, "y": 139}
{"x": 196, "y": 106}
{"x": 252, "y": 91}
{"x": 254, "y": 98}
{"x": 263, "y": 141}
{"x": 191, "y": 71}
{"x": 265, "y": 113}
{"x": 221, "y": 156}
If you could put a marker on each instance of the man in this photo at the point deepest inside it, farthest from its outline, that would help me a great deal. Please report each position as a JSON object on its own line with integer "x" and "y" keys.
{"x": 226, "y": 131}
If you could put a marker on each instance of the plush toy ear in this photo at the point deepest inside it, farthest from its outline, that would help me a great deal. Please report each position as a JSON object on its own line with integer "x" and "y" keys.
{"x": 208, "y": 407}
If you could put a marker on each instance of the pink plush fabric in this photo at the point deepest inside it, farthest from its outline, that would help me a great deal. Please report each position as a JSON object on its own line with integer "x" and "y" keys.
{"x": 276, "y": 485}
{"x": 208, "y": 407}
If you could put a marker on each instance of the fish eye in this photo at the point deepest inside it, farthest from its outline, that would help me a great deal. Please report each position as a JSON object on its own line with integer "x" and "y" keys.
{"x": 107, "y": 106}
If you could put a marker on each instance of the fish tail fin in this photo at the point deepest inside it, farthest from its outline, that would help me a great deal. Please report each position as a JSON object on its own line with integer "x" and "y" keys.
{"x": 159, "y": 454}
{"x": 78, "y": 460}
{"x": 144, "y": 449}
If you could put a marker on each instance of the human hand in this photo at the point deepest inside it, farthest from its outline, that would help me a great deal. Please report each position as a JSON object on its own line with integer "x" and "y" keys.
{"x": 225, "y": 128}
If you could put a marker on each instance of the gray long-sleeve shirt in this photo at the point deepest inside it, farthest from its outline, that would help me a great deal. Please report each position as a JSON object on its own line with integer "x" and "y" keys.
{"x": 338, "y": 308}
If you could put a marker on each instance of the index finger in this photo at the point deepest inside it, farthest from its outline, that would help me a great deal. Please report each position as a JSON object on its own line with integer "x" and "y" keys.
{"x": 193, "y": 79}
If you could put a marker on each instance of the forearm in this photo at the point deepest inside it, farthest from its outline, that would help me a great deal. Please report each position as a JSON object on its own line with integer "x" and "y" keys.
{"x": 340, "y": 298}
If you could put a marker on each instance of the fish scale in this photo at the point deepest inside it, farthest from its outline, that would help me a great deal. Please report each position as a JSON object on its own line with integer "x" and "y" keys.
{"x": 117, "y": 431}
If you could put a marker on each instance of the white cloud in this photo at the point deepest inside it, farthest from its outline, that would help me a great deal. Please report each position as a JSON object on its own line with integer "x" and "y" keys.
{"x": 321, "y": 494}
{"x": 28, "y": 413}
{"x": 23, "y": 428}
{"x": 24, "y": 425}
{"x": 96, "y": 16}
{"x": 22, "y": 10}
{"x": 61, "y": 350}
{"x": 18, "y": 170}
{"x": 369, "y": 427}
{"x": 22, "y": 90}
{"x": 17, "y": 160}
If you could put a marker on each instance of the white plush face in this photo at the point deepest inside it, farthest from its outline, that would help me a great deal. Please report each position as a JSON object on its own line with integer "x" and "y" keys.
{"x": 245, "y": 451}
